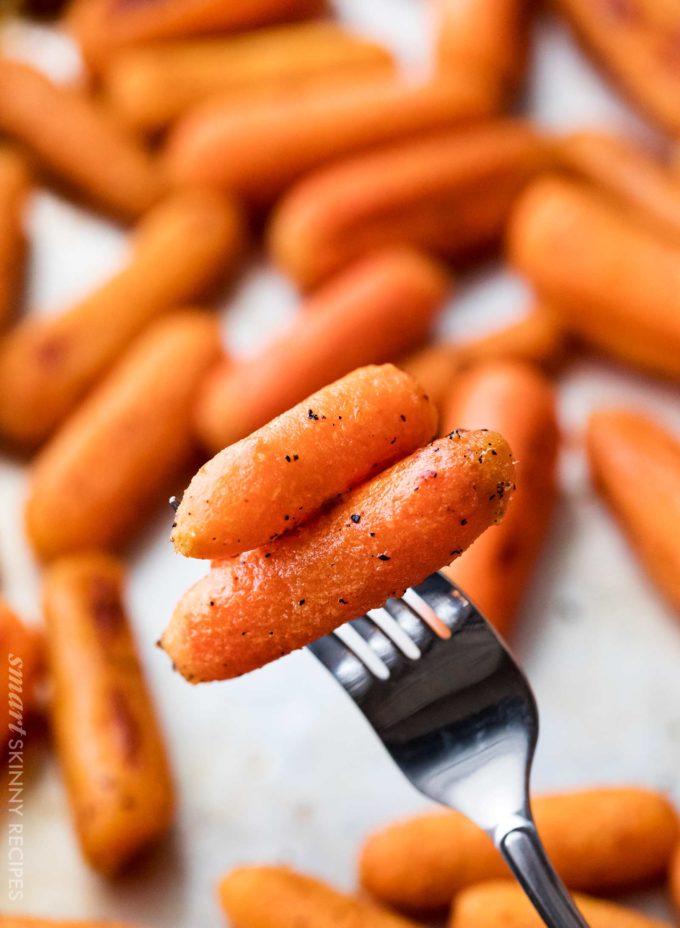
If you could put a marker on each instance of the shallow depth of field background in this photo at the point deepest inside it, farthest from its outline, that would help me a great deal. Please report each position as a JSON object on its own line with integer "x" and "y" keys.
{"x": 279, "y": 766}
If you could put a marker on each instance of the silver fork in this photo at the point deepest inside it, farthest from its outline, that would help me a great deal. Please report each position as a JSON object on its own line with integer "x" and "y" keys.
{"x": 457, "y": 715}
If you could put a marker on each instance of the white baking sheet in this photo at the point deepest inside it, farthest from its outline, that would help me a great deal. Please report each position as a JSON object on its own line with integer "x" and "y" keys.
{"x": 279, "y": 766}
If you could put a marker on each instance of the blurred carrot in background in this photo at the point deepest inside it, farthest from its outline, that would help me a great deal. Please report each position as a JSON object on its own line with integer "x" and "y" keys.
{"x": 636, "y": 181}
{"x": 607, "y": 277}
{"x": 276, "y": 897}
{"x": 102, "y": 27}
{"x": 180, "y": 251}
{"x": 536, "y": 339}
{"x": 38, "y": 921}
{"x": 519, "y": 402}
{"x": 635, "y": 464}
{"x": 77, "y": 142}
{"x": 485, "y": 38}
{"x": 675, "y": 879}
{"x": 449, "y": 194}
{"x": 150, "y": 86}
{"x": 369, "y": 314}
{"x": 141, "y": 418}
{"x": 504, "y": 905}
{"x": 602, "y": 840}
{"x": 15, "y": 186}
{"x": 107, "y": 737}
{"x": 256, "y": 148}
{"x": 21, "y": 654}
{"x": 634, "y": 41}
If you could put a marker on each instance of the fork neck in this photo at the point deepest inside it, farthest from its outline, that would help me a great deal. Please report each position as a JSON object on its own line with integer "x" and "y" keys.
{"x": 521, "y": 847}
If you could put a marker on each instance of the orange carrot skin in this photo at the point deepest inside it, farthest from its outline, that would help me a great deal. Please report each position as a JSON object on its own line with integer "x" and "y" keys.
{"x": 519, "y": 402}
{"x": 622, "y": 445}
{"x": 536, "y": 339}
{"x": 256, "y": 149}
{"x": 28, "y": 921}
{"x": 504, "y": 905}
{"x": 616, "y": 285}
{"x": 259, "y": 606}
{"x": 675, "y": 878}
{"x": 15, "y": 185}
{"x": 449, "y": 194}
{"x": 602, "y": 841}
{"x": 107, "y": 737}
{"x": 149, "y": 87}
{"x": 487, "y": 38}
{"x": 369, "y": 314}
{"x": 276, "y": 897}
{"x": 76, "y": 499}
{"x": 77, "y": 141}
{"x": 433, "y": 367}
{"x": 281, "y": 475}
{"x": 103, "y": 27}
{"x": 629, "y": 174}
{"x": 21, "y": 655}
{"x": 180, "y": 251}
{"x": 634, "y": 43}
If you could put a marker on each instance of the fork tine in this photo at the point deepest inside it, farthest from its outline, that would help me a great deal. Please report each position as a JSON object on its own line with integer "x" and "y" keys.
{"x": 338, "y": 658}
{"x": 410, "y": 622}
{"x": 378, "y": 641}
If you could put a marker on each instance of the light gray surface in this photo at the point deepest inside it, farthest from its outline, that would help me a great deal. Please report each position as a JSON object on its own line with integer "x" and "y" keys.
{"x": 260, "y": 775}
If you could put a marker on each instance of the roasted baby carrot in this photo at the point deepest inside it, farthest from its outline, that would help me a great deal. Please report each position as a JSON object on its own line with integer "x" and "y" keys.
{"x": 107, "y": 737}
{"x": 630, "y": 175}
{"x": 616, "y": 285}
{"x": 282, "y": 474}
{"x": 77, "y": 141}
{"x": 635, "y": 42}
{"x": 486, "y": 38}
{"x": 21, "y": 656}
{"x": 600, "y": 840}
{"x": 500, "y": 904}
{"x": 536, "y": 339}
{"x": 370, "y": 313}
{"x": 150, "y": 86}
{"x": 103, "y": 27}
{"x": 276, "y": 897}
{"x": 623, "y": 447}
{"x": 448, "y": 193}
{"x": 519, "y": 402}
{"x": 258, "y": 147}
{"x": 30, "y": 921}
{"x": 675, "y": 878}
{"x": 141, "y": 417}
{"x": 15, "y": 185}
{"x": 179, "y": 252}
{"x": 382, "y": 537}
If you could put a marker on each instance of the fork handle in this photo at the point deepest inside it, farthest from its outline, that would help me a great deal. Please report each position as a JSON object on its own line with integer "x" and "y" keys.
{"x": 522, "y": 849}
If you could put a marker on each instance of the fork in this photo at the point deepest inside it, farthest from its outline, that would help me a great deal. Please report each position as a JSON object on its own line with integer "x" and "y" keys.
{"x": 458, "y": 716}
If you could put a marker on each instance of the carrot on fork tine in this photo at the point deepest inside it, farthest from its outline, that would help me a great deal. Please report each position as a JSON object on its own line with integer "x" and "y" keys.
{"x": 316, "y": 451}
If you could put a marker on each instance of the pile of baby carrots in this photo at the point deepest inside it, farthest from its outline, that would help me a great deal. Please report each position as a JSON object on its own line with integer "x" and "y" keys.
{"x": 212, "y": 129}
